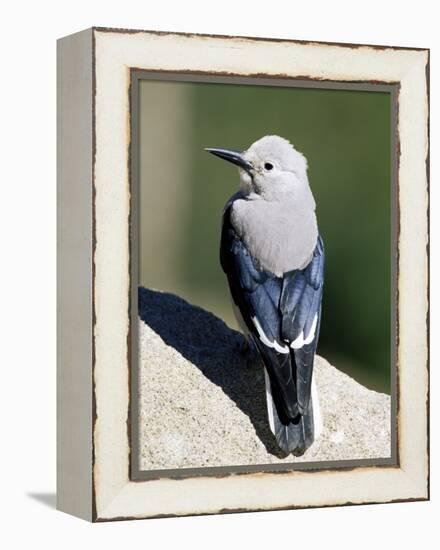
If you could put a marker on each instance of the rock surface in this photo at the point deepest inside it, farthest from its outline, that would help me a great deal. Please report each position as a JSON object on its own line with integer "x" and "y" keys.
{"x": 202, "y": 401}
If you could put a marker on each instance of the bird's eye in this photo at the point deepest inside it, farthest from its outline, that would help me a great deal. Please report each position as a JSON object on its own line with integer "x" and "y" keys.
{"x": 268, "y": 166}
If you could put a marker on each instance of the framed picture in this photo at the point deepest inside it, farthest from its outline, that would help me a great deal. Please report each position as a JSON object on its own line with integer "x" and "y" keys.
{"x": 242, "y": 274}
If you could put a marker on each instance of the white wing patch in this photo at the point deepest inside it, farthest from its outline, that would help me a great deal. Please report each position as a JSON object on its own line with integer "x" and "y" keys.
{"x": 265, "y": 339}
{"x": 301, "y": 341}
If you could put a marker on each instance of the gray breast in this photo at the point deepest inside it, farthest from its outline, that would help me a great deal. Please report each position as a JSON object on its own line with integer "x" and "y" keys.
{"x": 279, "y": 235}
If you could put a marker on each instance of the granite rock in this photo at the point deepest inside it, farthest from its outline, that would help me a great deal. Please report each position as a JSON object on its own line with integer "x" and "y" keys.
{"x": 202, "y": 399}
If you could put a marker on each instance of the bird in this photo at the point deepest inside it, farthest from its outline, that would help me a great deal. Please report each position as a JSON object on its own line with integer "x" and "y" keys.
{"x": 273, "y": 257}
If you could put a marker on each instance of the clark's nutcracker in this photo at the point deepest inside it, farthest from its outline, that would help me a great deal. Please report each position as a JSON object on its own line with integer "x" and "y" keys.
{"x": 273, "y": 257}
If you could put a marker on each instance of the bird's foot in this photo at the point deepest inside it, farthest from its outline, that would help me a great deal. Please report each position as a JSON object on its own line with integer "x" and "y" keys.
{"x": 248, "y": 351}
{"x": 243, "y": 346}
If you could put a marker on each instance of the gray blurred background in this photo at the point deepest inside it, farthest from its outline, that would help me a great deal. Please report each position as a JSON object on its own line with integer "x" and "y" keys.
{"x": 346, "y": 137}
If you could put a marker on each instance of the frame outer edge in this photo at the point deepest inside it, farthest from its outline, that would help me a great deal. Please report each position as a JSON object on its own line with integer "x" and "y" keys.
{"x": 74, "y": 274}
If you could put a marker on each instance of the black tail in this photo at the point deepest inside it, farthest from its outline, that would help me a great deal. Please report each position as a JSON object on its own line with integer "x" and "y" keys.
{"x": 293, "y": 426}
{"x": 292, "y": 436}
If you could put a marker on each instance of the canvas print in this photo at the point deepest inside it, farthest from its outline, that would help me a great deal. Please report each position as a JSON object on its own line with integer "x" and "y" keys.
{"x": 264, "y": 277}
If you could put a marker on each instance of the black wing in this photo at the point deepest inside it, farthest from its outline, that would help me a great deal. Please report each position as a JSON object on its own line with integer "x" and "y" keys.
{"x": 300, "y": 308}
{"x": 276, "y": 312}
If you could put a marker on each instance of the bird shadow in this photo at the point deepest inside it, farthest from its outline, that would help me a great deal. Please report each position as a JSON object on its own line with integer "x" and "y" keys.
{"x": 214, "y": 348}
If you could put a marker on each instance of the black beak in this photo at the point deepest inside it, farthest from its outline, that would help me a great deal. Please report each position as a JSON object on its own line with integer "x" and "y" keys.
{"x": 236, "y": 157}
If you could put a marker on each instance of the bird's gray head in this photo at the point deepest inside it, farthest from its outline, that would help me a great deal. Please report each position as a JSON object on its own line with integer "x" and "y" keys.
{"x": 269, "y": 168}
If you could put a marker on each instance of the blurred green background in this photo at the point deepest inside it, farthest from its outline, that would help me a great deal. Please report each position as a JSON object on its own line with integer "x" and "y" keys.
{"x": 346, "y": 137}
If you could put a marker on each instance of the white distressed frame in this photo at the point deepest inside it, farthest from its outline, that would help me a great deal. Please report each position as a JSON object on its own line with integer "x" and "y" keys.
{"x": 113, "y": 494}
